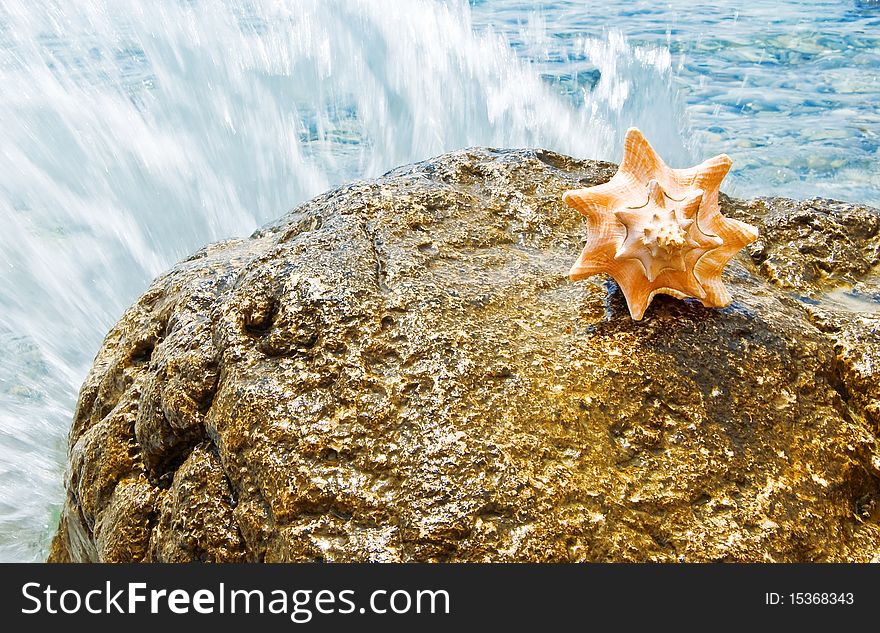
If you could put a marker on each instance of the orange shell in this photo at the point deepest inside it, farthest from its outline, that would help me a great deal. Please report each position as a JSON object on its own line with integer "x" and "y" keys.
{"x": 655, "y": 229}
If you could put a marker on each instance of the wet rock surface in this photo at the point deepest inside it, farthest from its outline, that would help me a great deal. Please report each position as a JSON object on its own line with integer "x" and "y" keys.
{"x": 400, "y": 370}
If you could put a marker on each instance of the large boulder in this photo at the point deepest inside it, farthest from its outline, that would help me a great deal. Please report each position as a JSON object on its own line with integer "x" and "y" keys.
{"x": 400, "y": 370}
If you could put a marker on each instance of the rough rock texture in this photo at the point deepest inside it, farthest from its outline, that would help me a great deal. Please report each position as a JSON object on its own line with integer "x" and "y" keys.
{"x": 400, "y": 370}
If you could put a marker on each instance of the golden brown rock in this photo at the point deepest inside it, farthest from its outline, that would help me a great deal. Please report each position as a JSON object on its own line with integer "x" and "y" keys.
{"x": 400, "y": 370}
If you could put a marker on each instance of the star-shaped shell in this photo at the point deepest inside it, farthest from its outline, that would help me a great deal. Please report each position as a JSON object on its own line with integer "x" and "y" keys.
{"x": 655, "y": 229}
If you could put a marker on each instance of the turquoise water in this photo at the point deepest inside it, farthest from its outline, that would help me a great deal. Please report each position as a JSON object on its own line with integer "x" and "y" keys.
{"x": 789, "y": 89}
{"x": 131, "y": 133}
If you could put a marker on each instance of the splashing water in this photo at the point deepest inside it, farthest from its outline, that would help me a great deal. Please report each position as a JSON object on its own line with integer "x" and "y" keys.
{"x": 133, "y": 133}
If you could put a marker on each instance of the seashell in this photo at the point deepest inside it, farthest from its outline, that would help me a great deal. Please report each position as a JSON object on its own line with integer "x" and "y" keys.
{"x": 656, "y": 229}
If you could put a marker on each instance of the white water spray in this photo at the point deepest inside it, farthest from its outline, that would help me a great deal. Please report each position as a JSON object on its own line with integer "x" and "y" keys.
{"x": 132, "y": 133}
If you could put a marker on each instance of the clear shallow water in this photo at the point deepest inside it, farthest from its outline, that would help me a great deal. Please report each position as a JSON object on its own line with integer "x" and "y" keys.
{"x": 788, "y": 88}
{"x": 132, "y": 133}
